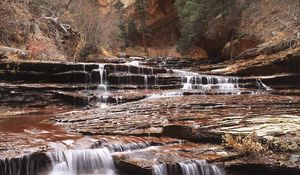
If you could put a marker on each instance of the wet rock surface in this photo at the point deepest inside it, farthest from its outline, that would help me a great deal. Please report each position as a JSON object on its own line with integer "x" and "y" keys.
{"x": 145, "y": 120}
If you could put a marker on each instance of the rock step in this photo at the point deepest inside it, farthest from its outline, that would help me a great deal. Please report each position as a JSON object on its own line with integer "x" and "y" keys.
{"x": 30, "y": 164}
{"x": 49, "y": 67}
{"x": 290, "y": 80}
{"x": 138, "y": 79}
{"x": 134, "y": 69}
{"x": 53, "y": 67}
{"x": 192, "y": 134}
{"x": 81, "y": 77}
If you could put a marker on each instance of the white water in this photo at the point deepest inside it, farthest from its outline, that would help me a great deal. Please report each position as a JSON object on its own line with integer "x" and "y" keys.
{"x": 156, "y": 79}
{"x": 205, "y": 83}
{"x": 121, "y": 147}
{"x": 166, "y": 94}
{"x": 79, "y": 162}
{"x": 159, "y": 169}
{"x": 146, "y": 81}
{"x": 191, "y": 167}
{"x": 188, "y": 84}
{"x": 102, "y": 78}
{"x": 88, "y": 78}
{"x": 264, "y": 86}
{"x": 16, "y": 166}
{"x": 133, "y": 63}
{"x": 199, "y": 167}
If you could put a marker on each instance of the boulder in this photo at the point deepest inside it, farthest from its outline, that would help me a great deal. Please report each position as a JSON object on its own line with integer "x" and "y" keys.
{"x": 192, "y": 134}
{"x": 235, "y": 47}
{"x": 13, "y": 53}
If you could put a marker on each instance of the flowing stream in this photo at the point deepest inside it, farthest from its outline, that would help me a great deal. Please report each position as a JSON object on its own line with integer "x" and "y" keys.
{"x": 75, "y": 162}
{"x": 113, "y": 82}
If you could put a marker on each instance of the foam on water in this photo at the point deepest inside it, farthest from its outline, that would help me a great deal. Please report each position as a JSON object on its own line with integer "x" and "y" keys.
{"x": 121, "y": 147}
{"x": 166, "y": 94}
{"x": 219, "y": 84}
{"x": 199, "y": 167}
{"x": 77, "y": 162}
{"x": 102, "y": 77}
{"x": 159, "y": 169}
{"x": 190, "y": 167}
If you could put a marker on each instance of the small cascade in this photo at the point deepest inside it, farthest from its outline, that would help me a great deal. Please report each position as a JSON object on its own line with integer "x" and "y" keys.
{"x": 151, "y": 71}
{"x": 133, "y": 63}
{"x": 88, "y": 77}
{"x": 166, "y": 94}
{"x": 156, "y": 79}
{"x": 190, "y": 167}
{"x": 146, "y": 81}
{"x": 218, "y": 84}
{"x": 199, "y": 167}
{"x": 103, "y": 99}
{"x": 159, "y": 169}
{"x": 263, "y": 86}
{"x": 102, "y": 78}
{"x": 188, "y": 84}
{"x": 119, "y": 147}
{"x": 76, "y": 162}
{"x": 102, "y": 86}
{"x": 25, "y": 165}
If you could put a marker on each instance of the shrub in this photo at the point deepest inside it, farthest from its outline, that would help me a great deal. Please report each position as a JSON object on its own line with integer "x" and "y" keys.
{"x": 247, "y": 145}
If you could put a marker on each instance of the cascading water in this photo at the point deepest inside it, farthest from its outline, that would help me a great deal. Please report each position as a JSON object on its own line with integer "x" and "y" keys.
{"x": 133, "y": 63}
{"x": 88, "y": 78}
{"x": 188, "y": 84}
{"x": 261, "y": 84}
{"x": 191, "y": 167}
{"x": 159, "y": 169}
{"x": 166, "y": 94}
{"x": 119, "y": 147}
{"x": 156, "y": 79}
{"x": 25, "y": 165}
{"x": 102, "y": 86}
{"x": 146, "y": 81}
{"x": 102, "y": 78}
{"x": 218, "y": 84}
{"x": 78, "y": 162}
{"x": 199, "y": 167}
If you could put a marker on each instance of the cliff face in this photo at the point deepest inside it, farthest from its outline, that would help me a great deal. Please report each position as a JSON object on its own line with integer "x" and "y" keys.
{"x": 163, "y": 27}
{"x": 259, "y": 24}
{"x": 163, "y": 23}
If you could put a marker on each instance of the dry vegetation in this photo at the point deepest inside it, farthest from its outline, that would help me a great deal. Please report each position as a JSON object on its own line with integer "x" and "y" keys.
{"x": 247, "y": 145}
{"x": 59, "y": 29}
{"x": 84, "y": 30}
{"x": 271, "y": 21}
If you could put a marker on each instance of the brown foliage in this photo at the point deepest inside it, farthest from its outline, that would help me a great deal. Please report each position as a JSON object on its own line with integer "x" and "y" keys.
{"x": 248, "y": 145}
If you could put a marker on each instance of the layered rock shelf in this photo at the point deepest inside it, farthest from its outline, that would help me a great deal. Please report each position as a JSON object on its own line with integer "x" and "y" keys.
{"x": 124, "y": 118}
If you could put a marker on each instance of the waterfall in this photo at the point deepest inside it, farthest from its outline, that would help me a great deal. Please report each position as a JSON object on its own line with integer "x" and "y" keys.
{"x": 188, "y": 84}
{"x": 190, "y": 167}
{"x": 25, "y": 165}
{"x": 103, "y": 99}
{"x": 199, "y": 167}
{"x": 146, "y": 81}
{"x": 87, "y": 78}
{"x": 133, "y": 63}
{"x": 76, "y": 162}
{"x": 159, "y": 169}
{"x": 119, "y": 147}
{"x": 219, "y": 83}
{"x": 102, "y": 77}
{"x": 206, "y": 83}
{"x": 156, "y": 80}
{"x": 263, "y": 86}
